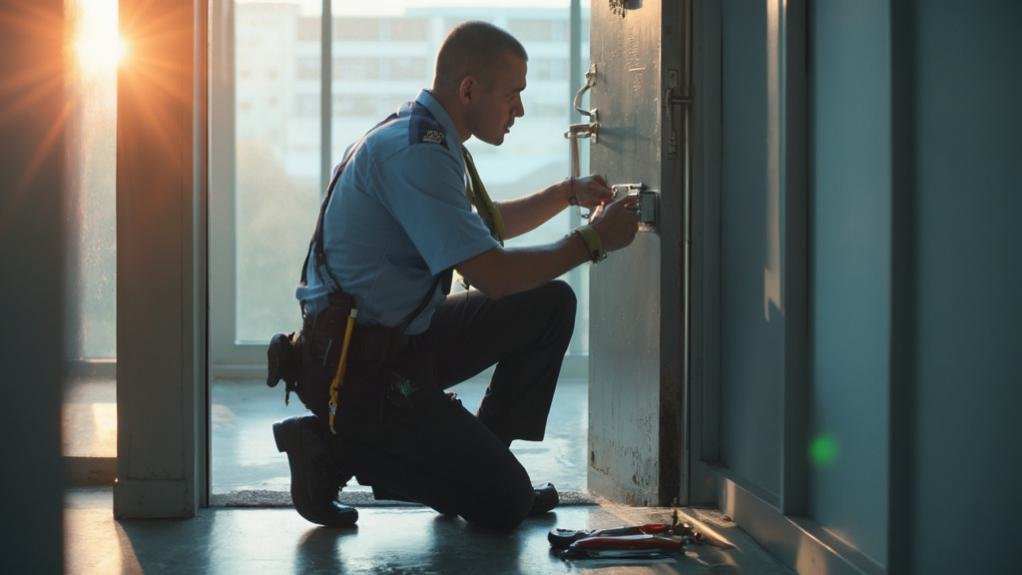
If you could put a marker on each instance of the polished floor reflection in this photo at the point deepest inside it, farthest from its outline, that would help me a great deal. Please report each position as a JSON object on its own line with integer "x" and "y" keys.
{"x": 245, "y": 465}
{"x": 387, "y": 540}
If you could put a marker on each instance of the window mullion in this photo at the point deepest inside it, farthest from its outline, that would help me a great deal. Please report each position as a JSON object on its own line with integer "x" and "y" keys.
{"x": 326, "y": 95}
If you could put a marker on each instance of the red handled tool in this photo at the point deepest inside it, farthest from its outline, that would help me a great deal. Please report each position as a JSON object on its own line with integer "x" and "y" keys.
{"x": 641, "y": 546}
{"x": 650, "y": 540}
{"x": 563, "y": 538}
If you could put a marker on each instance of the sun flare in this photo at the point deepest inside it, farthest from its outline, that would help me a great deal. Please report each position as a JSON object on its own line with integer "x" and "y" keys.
{"x": 101, "y": 52}
{"x": 98, "y": 45}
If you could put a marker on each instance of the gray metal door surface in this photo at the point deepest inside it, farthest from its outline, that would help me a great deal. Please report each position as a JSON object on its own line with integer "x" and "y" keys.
{"x": 637, "y": 306}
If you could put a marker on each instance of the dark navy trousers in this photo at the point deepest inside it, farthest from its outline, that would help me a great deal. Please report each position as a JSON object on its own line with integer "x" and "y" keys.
{"x": 410, "y": 441}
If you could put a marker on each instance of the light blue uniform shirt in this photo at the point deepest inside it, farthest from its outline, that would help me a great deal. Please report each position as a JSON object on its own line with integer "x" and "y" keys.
{"x": 398, "y": 217}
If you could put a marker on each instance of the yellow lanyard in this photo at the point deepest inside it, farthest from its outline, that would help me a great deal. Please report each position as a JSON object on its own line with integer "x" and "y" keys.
{"x": 476, "y": 192}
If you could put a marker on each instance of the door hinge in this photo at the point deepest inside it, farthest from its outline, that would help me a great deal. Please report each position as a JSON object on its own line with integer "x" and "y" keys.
{"x": 674, "y": 97}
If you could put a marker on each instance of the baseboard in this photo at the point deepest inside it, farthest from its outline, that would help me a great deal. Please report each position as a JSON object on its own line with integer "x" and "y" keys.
{"x": 154, "y": 499}
{"x": 798, "y": 543}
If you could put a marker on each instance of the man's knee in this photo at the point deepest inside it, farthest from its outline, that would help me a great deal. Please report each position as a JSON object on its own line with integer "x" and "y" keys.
{"x": 558, "y": 302}
{"x": 505, "y": 505}
{"x": 562, "y": 304}
{"x": 562, "y": 295}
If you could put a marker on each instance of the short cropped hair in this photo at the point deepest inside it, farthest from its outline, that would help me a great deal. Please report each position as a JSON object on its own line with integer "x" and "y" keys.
{"x": 471, "y": 49}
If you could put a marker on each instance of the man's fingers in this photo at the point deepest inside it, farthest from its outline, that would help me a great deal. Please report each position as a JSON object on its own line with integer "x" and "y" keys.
{"x": 627, "y": 202}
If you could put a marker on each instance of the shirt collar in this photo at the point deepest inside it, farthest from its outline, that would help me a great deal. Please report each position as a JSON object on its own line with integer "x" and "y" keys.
{"x": 427, "y": 99}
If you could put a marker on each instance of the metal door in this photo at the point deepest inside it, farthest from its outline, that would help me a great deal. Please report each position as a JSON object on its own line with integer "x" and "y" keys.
{"x": 637, "y": 307}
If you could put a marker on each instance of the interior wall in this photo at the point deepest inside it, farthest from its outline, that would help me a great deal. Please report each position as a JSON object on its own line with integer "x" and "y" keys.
{"x": 32, "y": 235}
{"x": 914, "y": 286}
{"x": 968, "y": 169}
{"x": 849, "y": 271}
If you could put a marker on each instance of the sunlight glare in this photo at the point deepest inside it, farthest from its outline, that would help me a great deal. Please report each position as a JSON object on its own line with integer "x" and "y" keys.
{"x": 101, "y": 52}
{"x": 99, "y": 46}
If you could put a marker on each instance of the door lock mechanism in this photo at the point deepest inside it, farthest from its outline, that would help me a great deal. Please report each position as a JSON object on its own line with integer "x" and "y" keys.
{"x": 649, "y": 203}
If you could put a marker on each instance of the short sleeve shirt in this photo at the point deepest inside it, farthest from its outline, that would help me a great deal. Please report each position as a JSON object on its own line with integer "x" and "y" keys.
{"x": 398, "y": 216}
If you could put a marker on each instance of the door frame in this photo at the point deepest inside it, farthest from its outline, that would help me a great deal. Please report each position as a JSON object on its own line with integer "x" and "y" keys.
{"x": 162, "y": 274}
{"x": 781, "y": 524}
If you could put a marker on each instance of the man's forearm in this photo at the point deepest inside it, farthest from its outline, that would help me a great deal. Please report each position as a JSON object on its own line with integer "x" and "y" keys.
{"x": 501, "y": 272}
{"x": 525, "y": 214}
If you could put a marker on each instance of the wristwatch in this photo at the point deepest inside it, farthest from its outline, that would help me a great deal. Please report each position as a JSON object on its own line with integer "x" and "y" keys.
{"x": 593, "y": 243}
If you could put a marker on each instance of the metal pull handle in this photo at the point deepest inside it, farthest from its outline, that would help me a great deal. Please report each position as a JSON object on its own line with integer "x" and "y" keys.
{"x": 590, "y": 82}
{"x": 584, "y": 129}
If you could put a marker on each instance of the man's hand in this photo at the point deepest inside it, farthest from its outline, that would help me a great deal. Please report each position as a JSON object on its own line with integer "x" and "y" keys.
{"x": 589, "y": 192}
{"x": 499, "y": 272}
{"x": 616, "y": 223}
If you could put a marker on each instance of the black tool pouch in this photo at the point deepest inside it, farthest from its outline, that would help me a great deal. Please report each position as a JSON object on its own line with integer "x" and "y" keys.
{"x": 322, "y": 337}
{"x": 289, "y": 356}
{"x": 284, "y": 362}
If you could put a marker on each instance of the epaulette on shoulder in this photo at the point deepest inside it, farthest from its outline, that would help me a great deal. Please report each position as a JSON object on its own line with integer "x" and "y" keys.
{"x": 423, "y": 128}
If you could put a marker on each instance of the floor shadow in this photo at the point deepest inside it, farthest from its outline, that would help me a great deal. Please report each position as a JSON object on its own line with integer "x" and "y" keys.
{"x": 319, "y": 550}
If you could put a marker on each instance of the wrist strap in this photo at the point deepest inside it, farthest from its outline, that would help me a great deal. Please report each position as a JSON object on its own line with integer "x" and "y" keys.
{"x": 593, "y": 243}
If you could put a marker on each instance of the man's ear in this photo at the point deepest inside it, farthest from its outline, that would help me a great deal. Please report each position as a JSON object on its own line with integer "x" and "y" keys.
{"x": 467, "y": 88}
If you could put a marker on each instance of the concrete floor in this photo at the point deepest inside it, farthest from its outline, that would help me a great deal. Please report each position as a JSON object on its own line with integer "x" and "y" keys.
{"x": 269, "y": 537}
{"x": 386, "y": 541}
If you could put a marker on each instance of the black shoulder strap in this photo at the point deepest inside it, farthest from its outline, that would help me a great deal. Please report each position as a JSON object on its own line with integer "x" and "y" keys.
{"x": 444, "y": 279}
{"x": 316, "y": 243}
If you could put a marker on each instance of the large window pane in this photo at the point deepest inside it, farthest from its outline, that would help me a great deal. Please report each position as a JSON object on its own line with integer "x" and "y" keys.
{"x": 93, "y": 155}
{"x": 277, "y": 131}
{"x": 382, "y": 55}
{"x": 89, "y": 410}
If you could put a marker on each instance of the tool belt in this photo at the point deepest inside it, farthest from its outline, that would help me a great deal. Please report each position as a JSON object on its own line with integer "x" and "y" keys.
{"x": 306, "y": 360}
{"x": 324, "y": 332}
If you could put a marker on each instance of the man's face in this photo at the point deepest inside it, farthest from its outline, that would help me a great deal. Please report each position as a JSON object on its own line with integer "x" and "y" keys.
{"x": 497, "y": 100}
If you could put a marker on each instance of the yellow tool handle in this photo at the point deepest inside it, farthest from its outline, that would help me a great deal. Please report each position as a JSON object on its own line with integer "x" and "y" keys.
{"x": 342, "y": 366}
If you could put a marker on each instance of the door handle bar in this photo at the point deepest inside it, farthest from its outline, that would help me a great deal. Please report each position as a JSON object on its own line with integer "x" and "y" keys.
{"x": 588, "y": 129}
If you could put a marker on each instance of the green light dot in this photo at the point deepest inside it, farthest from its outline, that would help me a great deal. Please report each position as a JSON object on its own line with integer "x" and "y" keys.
{"x": 823, "y": 450}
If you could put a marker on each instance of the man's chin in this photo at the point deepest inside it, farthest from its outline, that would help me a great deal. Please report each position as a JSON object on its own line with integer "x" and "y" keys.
{"x": 493, "y": 141}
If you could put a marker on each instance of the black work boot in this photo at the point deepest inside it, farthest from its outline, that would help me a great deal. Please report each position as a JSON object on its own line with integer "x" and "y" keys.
{"x": 545, "y": 499}
{"x": 315, "y": 477}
